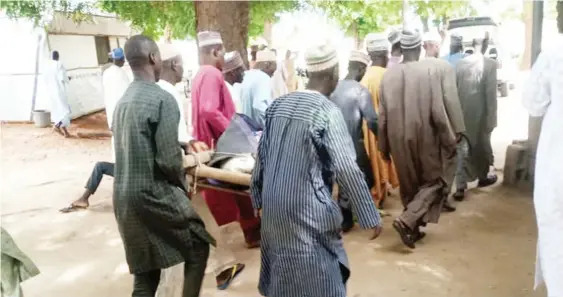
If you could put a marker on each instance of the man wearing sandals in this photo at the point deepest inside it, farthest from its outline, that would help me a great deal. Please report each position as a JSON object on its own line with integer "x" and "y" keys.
{"x": 414, "y": 124}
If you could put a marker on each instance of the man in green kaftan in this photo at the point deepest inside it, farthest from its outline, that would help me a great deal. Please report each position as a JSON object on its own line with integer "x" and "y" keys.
{"x": 156, "y": 220}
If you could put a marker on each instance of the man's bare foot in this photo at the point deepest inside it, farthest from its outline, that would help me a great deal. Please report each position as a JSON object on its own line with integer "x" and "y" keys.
{"x": 65, "y": 133}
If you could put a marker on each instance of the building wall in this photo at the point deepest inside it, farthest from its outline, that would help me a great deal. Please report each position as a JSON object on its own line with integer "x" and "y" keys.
{"x": 75, "y": 51}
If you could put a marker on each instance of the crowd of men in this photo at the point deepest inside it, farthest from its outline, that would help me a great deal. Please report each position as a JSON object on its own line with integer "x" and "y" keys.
{"x": 399, "y": 119}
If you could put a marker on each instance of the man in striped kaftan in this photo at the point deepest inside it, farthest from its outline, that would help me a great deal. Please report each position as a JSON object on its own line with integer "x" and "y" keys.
{"x": 306, "y": 148}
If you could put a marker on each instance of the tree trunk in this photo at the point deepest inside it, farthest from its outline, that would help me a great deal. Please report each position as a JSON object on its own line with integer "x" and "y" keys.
{"x": 425, "y": 24}
{"x": 268, "y": 34}
{"x": 230, "y": 18}
{"x": 167, "y": 34}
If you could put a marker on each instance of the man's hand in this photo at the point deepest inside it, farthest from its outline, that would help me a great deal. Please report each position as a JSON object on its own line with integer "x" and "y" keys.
{"x": 258, "y": 213}
{"x": 197, "y": 146}
{"x": 376, "y": 232}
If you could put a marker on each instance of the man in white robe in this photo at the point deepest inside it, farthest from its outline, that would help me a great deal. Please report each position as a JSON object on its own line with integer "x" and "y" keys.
{"x": 543, "y": 97}
{"x": 56, "y": 81}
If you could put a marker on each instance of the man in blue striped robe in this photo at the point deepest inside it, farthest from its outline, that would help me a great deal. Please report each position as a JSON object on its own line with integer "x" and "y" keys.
{"x": 305, "y": 148}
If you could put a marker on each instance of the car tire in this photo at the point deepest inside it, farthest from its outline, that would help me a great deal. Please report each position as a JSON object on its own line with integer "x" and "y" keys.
{"x": 503, "y": 88}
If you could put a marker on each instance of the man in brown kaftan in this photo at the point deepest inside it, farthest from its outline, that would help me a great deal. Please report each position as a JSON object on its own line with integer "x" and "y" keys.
{"x": 414, "y": 125}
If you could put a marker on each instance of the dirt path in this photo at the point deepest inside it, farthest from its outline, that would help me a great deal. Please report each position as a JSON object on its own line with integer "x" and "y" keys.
{"x": 484, "y": 249}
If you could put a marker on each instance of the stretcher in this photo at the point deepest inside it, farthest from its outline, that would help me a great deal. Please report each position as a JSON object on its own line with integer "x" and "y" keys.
{"x": 198, "y": 174}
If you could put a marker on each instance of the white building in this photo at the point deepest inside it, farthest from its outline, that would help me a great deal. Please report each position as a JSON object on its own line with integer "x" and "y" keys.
{"x": 83, "y": 50}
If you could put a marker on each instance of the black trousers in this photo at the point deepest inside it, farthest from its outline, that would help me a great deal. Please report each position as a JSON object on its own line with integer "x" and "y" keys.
{"x": 100, "y": 169}
{"x": 146, "y": 283}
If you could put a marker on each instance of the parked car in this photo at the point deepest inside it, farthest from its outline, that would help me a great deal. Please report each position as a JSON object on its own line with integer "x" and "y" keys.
{"x": 476, "y": 27}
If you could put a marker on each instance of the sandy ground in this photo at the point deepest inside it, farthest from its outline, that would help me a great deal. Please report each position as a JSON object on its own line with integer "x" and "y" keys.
{"x": 485, "y": 249}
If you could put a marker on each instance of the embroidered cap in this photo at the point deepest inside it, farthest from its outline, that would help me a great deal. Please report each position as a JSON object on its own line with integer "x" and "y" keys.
{"x": 321, "y": 57}
{"x": 361, "y": 57}
{"x": 377, "y": 42}
{"x": 233, "y": 61}
{"x": 206, "y": 38}
{"x": 394, "y": 37}
{"x": 410, "y": 39}
{"x": 265, "y": 56}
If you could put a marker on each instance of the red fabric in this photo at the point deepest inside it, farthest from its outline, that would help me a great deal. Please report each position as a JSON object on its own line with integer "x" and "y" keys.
{"x": 212, "y": 105}
{"x": 227, "y": 208}
{"x": 212, "y": 110}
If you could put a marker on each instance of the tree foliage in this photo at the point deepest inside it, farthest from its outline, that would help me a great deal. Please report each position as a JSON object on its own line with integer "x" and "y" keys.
{"x": 150, "y": 17}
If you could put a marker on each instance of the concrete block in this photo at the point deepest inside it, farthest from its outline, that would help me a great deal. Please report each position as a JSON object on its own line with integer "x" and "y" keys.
{"x": 516, "y": 164}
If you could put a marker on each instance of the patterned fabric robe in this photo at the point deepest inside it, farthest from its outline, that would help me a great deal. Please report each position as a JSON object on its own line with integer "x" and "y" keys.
{"x": 304, "y": 149}
{"x": 156, "y": 220}
{"x": 477, "y": 88}
{"x": 384, "y": 172}
{"x": 413, "y": 124}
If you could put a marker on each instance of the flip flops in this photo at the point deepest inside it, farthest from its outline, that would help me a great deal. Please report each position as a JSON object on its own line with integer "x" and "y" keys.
{"x": 235, "y": 270}
{"x": 72, "y": 208}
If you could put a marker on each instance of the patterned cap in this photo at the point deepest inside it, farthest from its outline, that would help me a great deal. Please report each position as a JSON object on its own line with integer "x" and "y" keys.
{"x": 456, "y": 39}
{"x": 168, "y": 51}
{"x": 394, "y": 37}
{"x": 361, "y": 57}
{"x": 377, "y": 42}
{"x": 322, "y": 57}
{"x": 233, "y": 61}
{"x": 206, "y": 38}
{"x": 410, "y": 39}
{"x": 266, "y": 56}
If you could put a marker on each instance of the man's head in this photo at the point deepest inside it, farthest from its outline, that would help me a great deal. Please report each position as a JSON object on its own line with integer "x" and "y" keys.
{"x": 477, "y": 45}
{"x": 55, "y": 55}
{"x": 118, "y": 57}
{"x": 377, "y": 46}
{"x": 322, "y": 68}
{"x": 211, "y": 50}
{"x": 411, "y": 45}
{"x": 234, "y": 68}
{"x": 143, "y": 56}
{"x": 266, "y": 61}
{"x": 431, "y": 44}
{"x": 394, "y": 39}
{"x": 172, "y": 64}
{"x": 456, "y": 44}
{"x": 357, "y": 65}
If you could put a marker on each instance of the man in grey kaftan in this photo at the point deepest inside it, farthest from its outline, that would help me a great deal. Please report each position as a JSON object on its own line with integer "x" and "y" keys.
{"x": 414, "y": 124}
{"x": 304, "y": 149}
{"x": 156, "y": 220}
{"x": 356, "y": 104}
{"x": 477, "y": 88}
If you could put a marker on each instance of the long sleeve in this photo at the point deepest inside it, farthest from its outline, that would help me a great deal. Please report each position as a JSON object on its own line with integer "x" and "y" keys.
{"x": 491, "y": 96}
{"x": 212, "y": 89}
{"x": 168, "y": 152}
{"x": 183, "y": 135}
{"x": 451, "y": 99}
{"x": 349, "y": 177}
{"x": 262, "y": 97}
{"x": 440, "y": 117}
{"x": 257, "y": 173}
{"x": 368, "y": 111}
{"x": 383, "y": 136}
{"x": 537, "y": 94}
